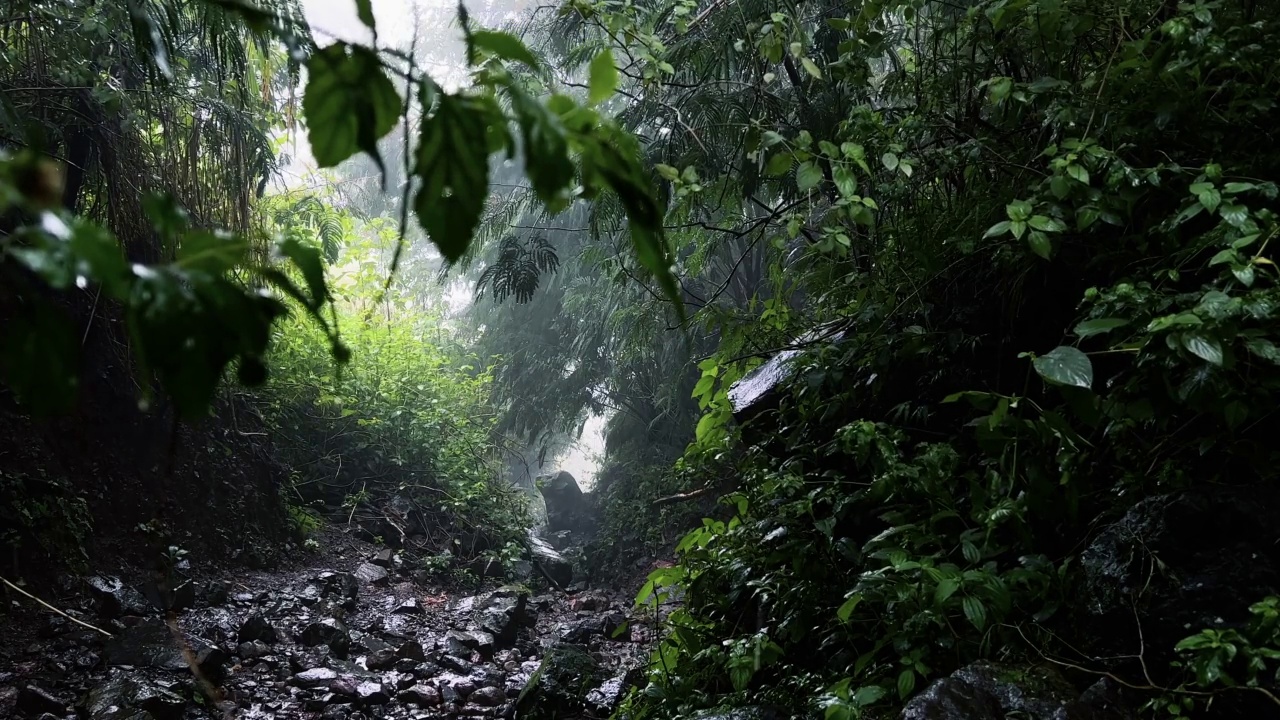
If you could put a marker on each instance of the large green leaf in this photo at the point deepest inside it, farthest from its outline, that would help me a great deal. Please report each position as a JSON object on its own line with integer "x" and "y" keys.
{"x": 602, "y": 77}
{"x": 503, "y": 45}
{"x": 546, "y": 149}
{"x": 453, "y": 165}
{"x": 349, "y": 104}
{"x": 1065, "y": 365}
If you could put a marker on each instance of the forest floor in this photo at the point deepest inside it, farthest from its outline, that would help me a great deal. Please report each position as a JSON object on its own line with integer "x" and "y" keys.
{"x": 338, "y": 633}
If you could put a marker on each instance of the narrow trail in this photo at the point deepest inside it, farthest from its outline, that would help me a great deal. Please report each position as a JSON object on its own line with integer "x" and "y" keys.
{"x": 344, "y": 633}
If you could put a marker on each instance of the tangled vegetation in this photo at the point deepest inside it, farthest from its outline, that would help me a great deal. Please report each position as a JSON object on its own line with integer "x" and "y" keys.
{"x": 1018, "y": 253}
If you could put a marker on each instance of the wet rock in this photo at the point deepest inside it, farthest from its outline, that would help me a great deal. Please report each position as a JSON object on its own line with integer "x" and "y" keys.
{"x": 990, "y": 691}
{"x": 556, "y": 688}
{"x": 126, "y": 696}
{"x": 1218, "y": 550}
{"x": 743, "y": 713}
{"x": 411, "y": 651}
{"x": 603, "y": 700}
{"x": 250, "y": 650}
{"x": 424, "y": 695}
{"x": 341, "y": 585}
{"x": 330, "y": 632}
{"x": 549, "y": 561}
{"x": 613, "y": 626}
{"x": 487, "y": 697}
{"x": 383, "y": 558}
{"x": 408, "y": 607}
{"x": 587, "y": 603}
{"x": 381, "y": 660}
{"x": 152, "y": 644}
{"x": 455, "y": 643}
{"x": 567, "y": 506}
{"x": 372, "y": 574}
{"x": 216, "y": 593}
{"x": 504, "y": 611}
{"x": 372, "y": 693}
{"x": 112, "y": 598}
{"x": 256, "y": 627}
{"x": 315, "y": 677}
{"x": 34, "y": 700}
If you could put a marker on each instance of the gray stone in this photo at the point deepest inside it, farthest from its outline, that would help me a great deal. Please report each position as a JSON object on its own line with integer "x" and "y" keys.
{"x": 330, "y": 632}
{"x": 315, "y": 677}
{"x": 123, "y": 695}
{"x": 112, "y": 598}
{"x": 250, "y": 650}
{"x": 384, "y": 558}
{"x": 372, "y": 693}
{"x": 487, "y": 697}
{"x": 423, "y": 695}
{"x": 372, "y": 574}
{"x": 409, "y": 607}
{"x": 556, "y": 687}
{"x": 256, "y": 627}
{"x": 549, "y": 561}
{"x": 33, "y": 700}
{"x": 151, "y": 644}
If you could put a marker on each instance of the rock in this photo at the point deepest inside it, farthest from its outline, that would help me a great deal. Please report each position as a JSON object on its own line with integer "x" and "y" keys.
{"x": 342, "y": 585}
{"x": 556, "y": 688}
{"x": 112, "y": 598}
{"x": 250, "y": 650}
{"x": 383, "y": 558}
{"x": 256, "y": 627}
{"x": 381, "y": 660}
{"x": 613, "y": 626}
{"x": 567, "y": 507}
{"x": 330, "y": 632}
{"x": 151, "y": 644}
{"x": 372, "y": 574}
{"x": 990, "y": 691}
{"x": 455, "y": 642}
{"x": 315, "y": 677}
{"x": 1218, "y": 549}
{"x": 411, "y": 650}
{"x": 742, "y": 713}
{"x": 34, "y": 700}
{"x": 549, "y": 561}
{"x": 216, "y": 592}
{"x": 372, "y": 693}
{"x": 423, "y": 695}
{"x": 125, "y": 696}
{"x": 408, "y": 607}
{"x": 504, "y": 611}
{"x": 487, "y": 697}
{"x": 587, "y": 603}
{"x": 603, "y": 700}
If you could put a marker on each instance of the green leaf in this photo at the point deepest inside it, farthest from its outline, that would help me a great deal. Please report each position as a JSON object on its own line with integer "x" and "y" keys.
{"x": 1210, "y": 199}
{"x": 996, "y": 230}
{"x": 505, "y": 46}
{"x": 667, "y": 172}
{"x": 845, "y": 611}
{"x": 890, "y": 161}
{"x": 364, "y": 10}
{"x": 1234, "y": 215}
{"x": 211, "y": 251}
{"x": 1039, "y": 244}
{"x": 349, "y": 104}
{"x": 975, "y": 611}
{"x": 779, "y": 164}
{"x": 310, "y": 263}
{"x": 868, "y": 695}
{"x": 1079, "y": 173}
{"x": 1065, "y": 365}
{"x": 1205, "y": 348}
{"x": 811, "y": 68}
{"x": 453, "y": 167}
{"x": 1018, "y": 210}
{"x": 846, "y": 182}
{"x": 808, "y": 175}
{"x": 906, "y": 683}
{"x": 603, "y": 77}
{"x": 1225, "y": 256}
{"x": 1046, "y": 224}
{"x": 546, "y": 149}
{"x": 946, "y": 588}
{"x": 1098, "y": 326}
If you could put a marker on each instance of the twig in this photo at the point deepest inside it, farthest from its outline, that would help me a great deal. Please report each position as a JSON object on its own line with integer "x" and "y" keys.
{"x": 680, "y": 497}
{"x": 56, "y": 610}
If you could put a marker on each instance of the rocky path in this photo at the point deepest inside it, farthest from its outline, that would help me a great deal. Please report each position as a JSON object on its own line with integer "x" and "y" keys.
{"x": 348, "y": 635}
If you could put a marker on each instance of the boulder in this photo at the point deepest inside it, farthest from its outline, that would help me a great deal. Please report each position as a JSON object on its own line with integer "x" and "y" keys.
{"x": 567, "y": 506}
{"x": 256, "y": 627}
{"x": 125, "y": 695}
{"x": 34, "y": 700}
{"x": 1186, "y": 561}
{"x": 372, "y": 574}
{"x": 330, "y": 632}
{"x": 315, "y": 677}
{"x": 383, "y": 558}
{"x": 549, "y": 561}
{"x": 487, "y": 697}
{"x": 152, "y": 644}
{"x": 341, "y": 585}
{"x": 992, "y": 691}
{"x": 560, "y": 685}
{"x": 112, "y": 598}
{"x": 423, "y": 695}
{"x": 503, "y": 612}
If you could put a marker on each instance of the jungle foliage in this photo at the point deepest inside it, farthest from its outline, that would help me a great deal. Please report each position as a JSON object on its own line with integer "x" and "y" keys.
{"x": 1024, "y": 249}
